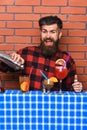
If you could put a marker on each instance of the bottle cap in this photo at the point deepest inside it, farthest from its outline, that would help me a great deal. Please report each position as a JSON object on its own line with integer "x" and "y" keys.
{"x": 75, "y": 78}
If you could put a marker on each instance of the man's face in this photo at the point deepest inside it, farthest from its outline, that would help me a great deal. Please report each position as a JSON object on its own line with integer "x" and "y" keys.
{"x": 49, "y": 39}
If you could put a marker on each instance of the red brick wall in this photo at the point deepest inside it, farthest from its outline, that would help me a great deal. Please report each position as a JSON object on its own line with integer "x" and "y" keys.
{"x": 19, "y": 26}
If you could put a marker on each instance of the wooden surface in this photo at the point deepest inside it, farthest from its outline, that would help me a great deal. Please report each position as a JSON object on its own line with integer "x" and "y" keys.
{"x": 10, "y": 80}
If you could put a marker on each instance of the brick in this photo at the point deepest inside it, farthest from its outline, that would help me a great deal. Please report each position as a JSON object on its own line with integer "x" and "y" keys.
{"x": 27, "y": 16}
{"x": 64, "y": 33}
{"x": 81, "y": 63}
{"x": 6, "y": 47}
{"x": 27, "y": 32}
{"x": 78, "y": 3}
{"x": 35, "y": 25}
{"x": 27, "y": 2}
{"x": 46, "y": 9}
{"x": 86, "y": 40}
{"x": 72, "y": 40}
{"x": 1, "y": 39}
{"x": 35, "y": 40}
{"x": 54, "y": 2}
{"x": 73, "y": 10}
{"x": 16, "y": 39}
{"x": 77, "y": 55}
{"x": 2, "y": 24}
{"x": 86, "y": 55}
{"x": 77, "y": 32}
{"x": 19, "y": 24}
{"x": 6, "y": 2}
{"x": 80, "y": 18}
{"x": 19, "y": 9}
{"x": 6, "y": 32}
{"x": 6, "y": 16}
{"x": 85, "y": 70}
{"x": 20, "y": 46}
{"x": 63, "y": 47}
{"x": 78, "y": 48}
{"x": 80, "y": 70}
{"x": 85, "y": 86}
{"x": 83, "y": 78}
{"x": 2, "y": 9}
{"x": 74, "y": 25}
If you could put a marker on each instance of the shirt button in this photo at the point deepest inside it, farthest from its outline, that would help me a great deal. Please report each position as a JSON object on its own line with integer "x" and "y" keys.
{"x": 46, "y": 69}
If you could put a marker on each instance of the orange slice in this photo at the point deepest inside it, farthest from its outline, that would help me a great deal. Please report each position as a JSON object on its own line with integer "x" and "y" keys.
{"x": 53, "y": 79}
{"x": 60, "y": 62}
{"x": 24, "y": 86}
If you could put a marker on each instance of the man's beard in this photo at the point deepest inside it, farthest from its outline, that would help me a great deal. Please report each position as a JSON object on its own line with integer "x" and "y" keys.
{"x": 49, "y": 51}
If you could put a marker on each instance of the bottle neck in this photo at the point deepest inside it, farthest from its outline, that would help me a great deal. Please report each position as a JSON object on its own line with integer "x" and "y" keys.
{"x": 75, "y": 78}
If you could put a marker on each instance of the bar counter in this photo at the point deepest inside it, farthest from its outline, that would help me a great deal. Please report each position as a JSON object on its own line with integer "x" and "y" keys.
{"x": 35, "y": 110}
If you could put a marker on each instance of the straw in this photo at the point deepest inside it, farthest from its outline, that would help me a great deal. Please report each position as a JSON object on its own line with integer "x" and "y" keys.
{"x": 43, "y": 75}
{"x": 66, "y": 61}
{"x": 31, "y": 71}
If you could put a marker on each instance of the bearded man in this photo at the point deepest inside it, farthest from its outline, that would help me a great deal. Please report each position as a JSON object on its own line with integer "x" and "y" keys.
{"x": 43, "y": 57}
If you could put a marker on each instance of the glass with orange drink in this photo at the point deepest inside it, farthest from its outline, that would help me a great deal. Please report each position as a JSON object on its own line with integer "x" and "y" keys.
{"x": 24, "y": 82}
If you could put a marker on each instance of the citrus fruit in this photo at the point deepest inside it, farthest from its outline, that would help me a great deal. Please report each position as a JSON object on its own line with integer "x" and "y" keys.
{"x": 24, "y": 86}
{"x": 54, "y": 79}
{"x": 60, "y": 62}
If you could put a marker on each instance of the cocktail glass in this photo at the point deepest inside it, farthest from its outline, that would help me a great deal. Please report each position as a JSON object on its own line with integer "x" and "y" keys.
{"x": 24, "y": 82}
{"x": 61, "y": 72}
{"x": 48, "y": 84}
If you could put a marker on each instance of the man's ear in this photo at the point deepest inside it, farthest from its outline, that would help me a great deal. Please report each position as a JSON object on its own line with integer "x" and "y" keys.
{"x": 60, "y": 35}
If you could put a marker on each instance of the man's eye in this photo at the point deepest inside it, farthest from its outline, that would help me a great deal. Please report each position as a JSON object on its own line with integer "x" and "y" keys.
{"x": 53, "y": 31}
{"x": 44, "y": 31}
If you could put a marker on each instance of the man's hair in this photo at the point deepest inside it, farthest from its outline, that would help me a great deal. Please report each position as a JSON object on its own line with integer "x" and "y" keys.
{"x": 48, "y": 20}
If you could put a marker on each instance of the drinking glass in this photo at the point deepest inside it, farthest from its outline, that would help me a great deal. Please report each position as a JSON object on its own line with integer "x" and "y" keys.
{"x": 48, "y": 84}
{"x": 24, "y": 82}
{"x": 61, "y": 72}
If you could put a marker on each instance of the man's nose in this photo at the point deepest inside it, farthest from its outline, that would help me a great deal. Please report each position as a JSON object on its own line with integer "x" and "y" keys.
{"x": 48, "y": 34}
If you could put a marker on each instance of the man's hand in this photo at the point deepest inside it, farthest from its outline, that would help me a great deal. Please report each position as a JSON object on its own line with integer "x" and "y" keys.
{"x": 17, "y": 58}
{"x": 77, "y": 86}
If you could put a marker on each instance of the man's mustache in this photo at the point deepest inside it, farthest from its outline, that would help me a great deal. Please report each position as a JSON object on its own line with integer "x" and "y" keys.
{"x": 48, "y": 40}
